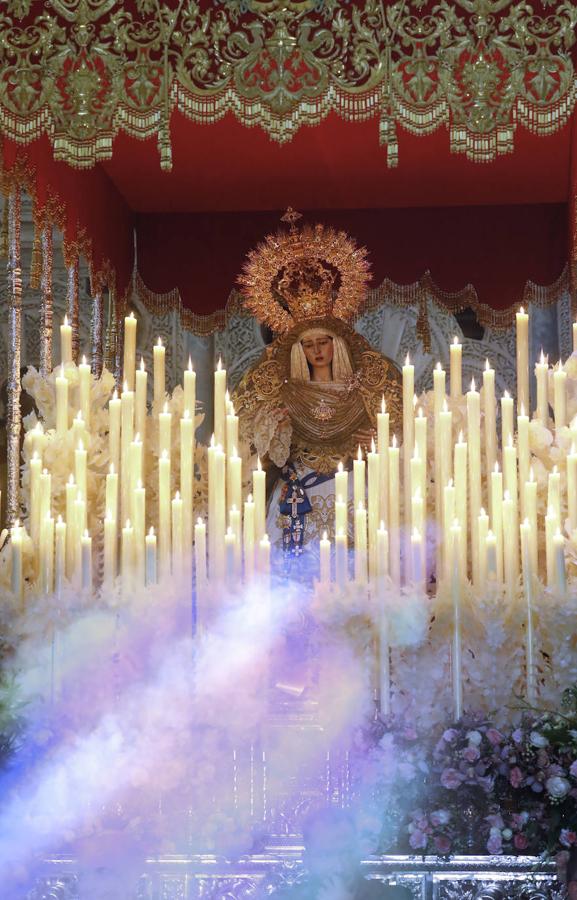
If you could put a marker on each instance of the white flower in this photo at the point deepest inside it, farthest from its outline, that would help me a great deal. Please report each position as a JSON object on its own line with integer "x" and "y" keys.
{"x": 538, "y": 740}
{"x": 557, "y": 786}
{"x": 507, "y": 834}
{"x": 474, "y": 737}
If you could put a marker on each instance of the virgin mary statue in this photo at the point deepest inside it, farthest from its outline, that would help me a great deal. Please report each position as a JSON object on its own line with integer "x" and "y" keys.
{"x": 312, "y": 400}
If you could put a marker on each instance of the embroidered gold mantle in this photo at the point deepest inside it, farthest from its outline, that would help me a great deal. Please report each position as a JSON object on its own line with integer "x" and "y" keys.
{"x": 316, "y": 424}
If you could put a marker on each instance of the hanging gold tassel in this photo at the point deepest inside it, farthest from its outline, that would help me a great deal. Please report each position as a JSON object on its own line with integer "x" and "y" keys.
{"x": 36, "y": 263}
{"x": 423, "y": 331}
{"x": 4, "y": 231}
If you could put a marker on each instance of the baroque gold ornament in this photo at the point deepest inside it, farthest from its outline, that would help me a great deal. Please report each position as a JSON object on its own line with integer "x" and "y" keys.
{"x": 80, "y": 71}
{"x": 303, "y": 273}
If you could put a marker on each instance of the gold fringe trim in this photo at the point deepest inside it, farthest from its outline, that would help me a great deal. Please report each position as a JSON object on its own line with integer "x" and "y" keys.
{"x": 4, "y": 229}
{"x": 415, "y": 294}
{"x": 36, "y": 262}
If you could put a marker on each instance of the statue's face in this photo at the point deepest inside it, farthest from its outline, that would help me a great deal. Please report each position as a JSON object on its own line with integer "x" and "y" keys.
{"x": 318, "y": 351}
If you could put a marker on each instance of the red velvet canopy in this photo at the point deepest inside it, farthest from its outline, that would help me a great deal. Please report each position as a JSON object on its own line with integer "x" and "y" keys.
{"x": 494, "y": 225}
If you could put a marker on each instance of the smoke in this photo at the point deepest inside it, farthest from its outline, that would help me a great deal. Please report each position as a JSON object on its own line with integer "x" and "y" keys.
{"x": 158, "y": 740}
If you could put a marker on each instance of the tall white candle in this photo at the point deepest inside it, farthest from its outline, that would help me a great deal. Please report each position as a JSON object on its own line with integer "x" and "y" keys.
{"x": 475, "y": 477}
{"x": 139, "y": 520}
{"x": 572, "y": 488}
{"x": 510, "y": 530}
{"x": 200, "y": 552}
{"x": 551, "y": 526}
{"x": 231, "y": 431}
{"x": 129, "y": 350}
{"x": 383, "y": 451}
{"x": 456, "y": 360}
{"x": 127, "y": 558}
{"x": 342, "y": 496}
{"x": 522, "y": 333}
{"x": 325, "y": 560}
{"x": 71, "y": 530}
{"x": 394, "y": 515}
{"x": 497, "y": 516}
{"x": 80, "y": 471}
{"x": 47, "y": 555}
{"x": 248, "y": 538}
{"x": 446, "y": 468}
{"x": 456, "y": 593}
{"x": 417, "y": 562}
{"x": 449, "y": 519}
{"x": 177, "y": 542}
{"x": 159, "y": 375}
{"x": 150, "y": 571}
{"x": 35, "y": 472}
{"x": 234, "y": 479}
{"x": 59, "y": 555}
{"x": 374, "y": 505}
{"x": 482, "y": 532}
{"x": 65, "y": 342}
{"x": 341, "y": 561}
{"x": 408, "y": 440}
{"x": 461, "y": 492}
{"x": 527, "y": 570}
{"x": 140, "y": 409}
{"x": 360, "y": 544}
{"x": 259, "y": 495}
{"x": 110, "y": 551}
{"x": 560, "y": 573}
{"x": 530, "y": 494}
{"x": 219, "y": 404}
{"x": 524, "y": 454}
{"x": 542, "y": 376}
{"x": 164, "y": 430}
{"x": 490, "y": 420}
{"x": 554, "y": 493}
{"x": 126, "y": 438}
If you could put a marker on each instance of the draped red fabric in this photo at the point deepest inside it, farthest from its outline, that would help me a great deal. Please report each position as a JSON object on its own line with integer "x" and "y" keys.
{"x": 494, "y": 248}
{"x": 89, "y": 202}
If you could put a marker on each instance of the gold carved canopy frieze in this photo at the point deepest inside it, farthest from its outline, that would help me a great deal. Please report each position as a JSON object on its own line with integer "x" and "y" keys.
{"x": 80, "y": 71}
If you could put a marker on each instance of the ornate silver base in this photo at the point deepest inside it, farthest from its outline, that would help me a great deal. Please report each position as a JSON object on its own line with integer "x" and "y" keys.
{"x": 214, "y": 878}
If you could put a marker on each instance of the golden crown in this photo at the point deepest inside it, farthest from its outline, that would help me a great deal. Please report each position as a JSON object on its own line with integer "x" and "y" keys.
{"x": 304, "y": 273}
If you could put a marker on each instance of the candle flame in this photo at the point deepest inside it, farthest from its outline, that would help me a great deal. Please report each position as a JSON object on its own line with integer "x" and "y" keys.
{"x": 496, "y": 467}
{"x": 395, "y": 441}
{"x": 415, "y": 401}
{"x": 531, "y": 474}
{"x": 86, "y": 534}
{"x": 137, "y": 438}
{"x": 233, "y": 508}
{"x": 38, "y": 427}
{"x": 325, "y": 536}
{"x": 125, "y": 387}
{"x": 460, "y": 441}
{"x": 558, "y": 532}
{"x": 78, "y": 417}
{"x": 522, "y": 409}
{"x": 229, "y": 531}
{"x": 416, "y": 534}
{"x": 165, "y": 407}
{"x": 45, "y": 471}
{"x": 445, "y": 405}
{"x": 572, "y": 451}
{"x": 111, "y": 469}
{"x": 555, "y": 470}
{"x": 407, "y": 360}
{"x": 128, "y": 525}
{"x": 487, "y": 365}
{"x": 510, "y": 440}
{"x": 151, "y": 531}
{"x": 177, "y": 495}
{"x": 542, "y": 357}
{"x": 190, "y": 369}
{"x": 482, "y": 513}
{"x": 109, "y": 517}
{"x": 417, "y": 494}
{"x": 473, "y": 385}
{"x": 115, "y": 394}
{"x": 142, "y": 369}
{"x": 383, "y": 404}
{"x": 439, "y": 367}
{"x": 521, "y": 311}
{"x": 506, "y": 496}
{"x": 359, "y": 453}
{"x": 59, "y": 519}
{"x": 234, "y": 453}
{"x": 455, "y": 341}
{"x": 340, "y": 532}
{"x": 71, "y": 478}
{"x": 416, "y": 456}
{"x": 199, "y": 521}
{"x": 159, "y": 342}
{"x": 83, "y": 360}
{"x": 186, "y": 414}
{"x": 212, "y": 440}
{"x": 139, "y": 484}
{"x": 65, "y": 323}
{"x": 450, "y": 483}
{"x": 361, "y": 506}
{"x": 219, "y": 365}
{"x": 506, "y": 395}
{"x": 35, "y": 455}
{"x": 258, "y": 464}
{"x": 373, "y": 447}
{"x": 340, "y": 467}
{"x": 164, "y": 454}
{"x": 80, "y": 444}
{"x": 382, "y": 526}
{"x": 249, "y": 499}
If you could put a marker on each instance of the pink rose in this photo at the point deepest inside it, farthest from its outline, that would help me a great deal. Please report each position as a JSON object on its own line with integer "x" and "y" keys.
{"x": 418, "y": 840}
{"x": 451, "y": 779}
{"x": 495, "y": 737}
{"x": 494, "y": 844}
{"x": 520, "y": 842}
{"x": 471, "y": 753}
{"x": 567, "y": 838}
{"x": 442, "y": 844}
{"x": 516, "y": 777}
